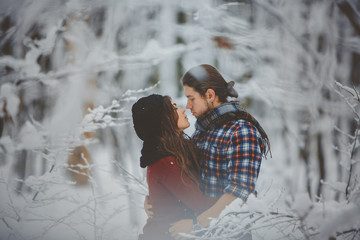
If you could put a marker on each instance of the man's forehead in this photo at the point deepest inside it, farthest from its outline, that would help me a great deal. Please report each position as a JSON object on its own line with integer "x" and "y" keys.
{"x": 189, "y": 91}
{"x": 190, "y": 95}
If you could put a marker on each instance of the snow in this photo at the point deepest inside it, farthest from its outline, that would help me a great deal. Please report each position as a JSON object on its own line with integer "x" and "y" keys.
{"x": 30, "y": 137}
{"x": 9, "y": 97}
{"x": 302, "y": 204}
{"x": 71, "y": 70}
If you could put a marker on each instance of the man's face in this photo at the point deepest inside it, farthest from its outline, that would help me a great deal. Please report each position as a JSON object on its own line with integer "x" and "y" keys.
{"x": 195, "y": 102}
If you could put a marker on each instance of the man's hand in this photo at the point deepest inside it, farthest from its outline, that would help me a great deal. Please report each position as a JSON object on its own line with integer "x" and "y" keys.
{"x": 148, "y": 207}
{"x": 182, "y": 226}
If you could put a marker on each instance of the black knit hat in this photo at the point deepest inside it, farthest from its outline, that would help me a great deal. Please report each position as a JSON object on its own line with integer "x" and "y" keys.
{"x": 147, "y": 114}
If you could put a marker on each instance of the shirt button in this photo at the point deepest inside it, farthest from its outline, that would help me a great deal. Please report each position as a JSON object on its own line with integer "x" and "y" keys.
{"x": 171, "y": 162}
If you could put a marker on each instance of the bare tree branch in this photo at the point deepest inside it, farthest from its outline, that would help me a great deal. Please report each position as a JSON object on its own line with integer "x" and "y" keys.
{"x": 351, "y": 13}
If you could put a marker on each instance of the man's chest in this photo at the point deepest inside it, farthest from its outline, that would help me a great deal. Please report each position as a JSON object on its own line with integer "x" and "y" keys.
{"x": 214, "y": 144}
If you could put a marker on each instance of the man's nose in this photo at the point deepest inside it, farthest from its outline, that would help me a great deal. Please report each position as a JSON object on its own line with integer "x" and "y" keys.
{"x": 187, "y": 105}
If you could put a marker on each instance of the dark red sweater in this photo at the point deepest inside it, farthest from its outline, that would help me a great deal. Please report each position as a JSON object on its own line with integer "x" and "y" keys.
{"x": 172, "y": 196}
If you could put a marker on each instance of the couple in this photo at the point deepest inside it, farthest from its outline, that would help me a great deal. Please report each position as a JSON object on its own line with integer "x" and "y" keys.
{"x": 193, "y": 180}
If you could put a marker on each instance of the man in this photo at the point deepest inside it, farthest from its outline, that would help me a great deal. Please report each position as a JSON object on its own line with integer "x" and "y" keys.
{"x": 232, "y": 142}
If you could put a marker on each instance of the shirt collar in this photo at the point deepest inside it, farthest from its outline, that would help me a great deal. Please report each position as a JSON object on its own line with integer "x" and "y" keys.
{"x": 206, "y": 120}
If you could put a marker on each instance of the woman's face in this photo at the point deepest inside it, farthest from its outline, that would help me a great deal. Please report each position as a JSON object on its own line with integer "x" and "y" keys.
{"x": 183, "y": 121}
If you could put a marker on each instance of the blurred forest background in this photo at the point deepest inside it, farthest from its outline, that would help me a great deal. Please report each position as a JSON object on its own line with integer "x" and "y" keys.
{"x": 71, "y": 70}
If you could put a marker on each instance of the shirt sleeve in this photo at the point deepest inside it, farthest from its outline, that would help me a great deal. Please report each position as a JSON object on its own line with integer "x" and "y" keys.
{"x": 244, "y": 160}
{"x": 184, "y": 189}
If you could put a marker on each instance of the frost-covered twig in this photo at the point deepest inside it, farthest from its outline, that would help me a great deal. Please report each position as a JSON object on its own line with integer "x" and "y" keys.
{"x": 232, "y": 224}
{"x": 101, "y": 117}
{"x": 61, "y": 220}
{"x": 131, "y": 92}
{"x": 302, "y": 220}
{"x": 353, "y": 91}
{"x": 356, "y": 231}
{"x": 6, "y": 224}
{"x": 356, "y": 93}
{"x": 11, "y": 203}
{"x": 354, "y": 145}
{"x": 350, "y": 12}
{"x": 132, "y": 176}
{"x": 274, "y": 12}
{"x": 37, "y": 192}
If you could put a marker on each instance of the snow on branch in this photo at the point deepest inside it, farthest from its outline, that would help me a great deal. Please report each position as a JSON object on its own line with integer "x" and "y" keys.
{"x": 353, "y": 91}
{"x": 353, "y": 104}
{"x": 102, "y": 117}
{"x": 302, "y": 219}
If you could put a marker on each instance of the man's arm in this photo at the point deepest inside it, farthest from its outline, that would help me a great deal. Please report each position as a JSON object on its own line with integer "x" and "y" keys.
{"x": 204, "y": 219}
{"x": 148, "y": 207}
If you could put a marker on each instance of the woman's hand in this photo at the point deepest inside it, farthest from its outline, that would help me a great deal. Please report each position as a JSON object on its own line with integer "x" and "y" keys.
{"x": 148, "y": 207}
{"x": 182, "y": 226}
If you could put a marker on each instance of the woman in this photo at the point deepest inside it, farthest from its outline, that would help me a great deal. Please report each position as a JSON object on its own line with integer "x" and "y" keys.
{"x": 173, "y": 164}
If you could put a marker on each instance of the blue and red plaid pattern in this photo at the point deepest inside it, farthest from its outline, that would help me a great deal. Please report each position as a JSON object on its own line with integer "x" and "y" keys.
{"x": 232, "y": 155}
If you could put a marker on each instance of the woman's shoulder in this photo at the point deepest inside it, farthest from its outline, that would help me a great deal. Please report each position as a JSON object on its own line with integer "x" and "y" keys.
{"x": 166, "y": 161}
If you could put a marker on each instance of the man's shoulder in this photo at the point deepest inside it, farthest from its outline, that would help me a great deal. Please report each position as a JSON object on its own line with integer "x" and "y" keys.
{"x": 241, "y": 126}
{"x": 237, "y": 124}
{"x": 242, "y": 123}
{"x": 227, "y": 129}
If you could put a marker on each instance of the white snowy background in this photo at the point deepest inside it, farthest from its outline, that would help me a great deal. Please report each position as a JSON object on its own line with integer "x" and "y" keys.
{"x": 71, "y": 70}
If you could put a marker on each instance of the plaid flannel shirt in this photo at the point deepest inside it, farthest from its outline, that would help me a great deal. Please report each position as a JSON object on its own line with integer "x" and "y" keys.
{"x": 232, "y": 154}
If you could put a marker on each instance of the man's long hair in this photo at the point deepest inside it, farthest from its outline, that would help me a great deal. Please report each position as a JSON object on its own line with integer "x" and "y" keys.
{"x": 204, "y": 77}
